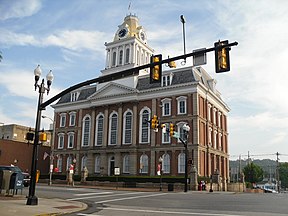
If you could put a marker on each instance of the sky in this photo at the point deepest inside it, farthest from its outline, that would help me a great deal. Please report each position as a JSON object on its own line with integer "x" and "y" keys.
{"x": 68, "y": 36}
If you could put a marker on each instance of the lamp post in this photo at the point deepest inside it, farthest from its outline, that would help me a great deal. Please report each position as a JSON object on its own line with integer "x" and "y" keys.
{"x": 183, "y": 21}
{"x": 186, "y": 129}
{"x": 51, "y": 154}
{"x": 32, "y": 198}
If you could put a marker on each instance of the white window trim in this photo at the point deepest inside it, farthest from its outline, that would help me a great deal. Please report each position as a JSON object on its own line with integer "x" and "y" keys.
{"x": 68, "y": 162}
{"x": 140, "y": 126}
{"x": 83, "y": 125}
{"x": 62, "y": 115}
{"x": 61, "y": 135}
{"x": 70, "y": 117}
{"x": 180, "y": 99}
{"x": 126, "y": 164}
{"x": 97, "y": 162}
{"x": 124, "y": 126}
{"x": 84, "y": 162}
{"x": 166, "y": 164}
{"x": 110, "y": 128}
{"x": 181, "y": 167}
{"x": 142, "y": 164}
{"x": 71, "y": 134}
{"x": 59, "y": 163}
{"x": 164, "y": 101}
{"x": 96, "y": 131}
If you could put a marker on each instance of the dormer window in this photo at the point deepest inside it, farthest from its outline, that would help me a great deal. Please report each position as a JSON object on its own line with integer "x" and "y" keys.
{"x": 74, "y": 96}
{"x": 167, "y": 79}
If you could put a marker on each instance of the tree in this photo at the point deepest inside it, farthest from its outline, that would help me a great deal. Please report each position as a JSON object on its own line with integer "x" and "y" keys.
{"x": 253, "y": 173}
{"x": 283, "y": 174}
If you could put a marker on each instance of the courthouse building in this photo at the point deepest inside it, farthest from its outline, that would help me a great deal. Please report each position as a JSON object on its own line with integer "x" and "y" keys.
{"x": 104, "y": 125}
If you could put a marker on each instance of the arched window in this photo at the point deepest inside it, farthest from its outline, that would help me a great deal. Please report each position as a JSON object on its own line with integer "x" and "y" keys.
{"x": 166, "y": 163}
{"x": 114, "y": 59}
{"x": 86, "y": 131}
{"x": 97, "y": 164}
{"x": 127, "y": 124}
{"x": 113, "y": 128}
{"x": 181, "y": 163}
{"x": 144, "y": 126}
{"x": 121, "y": 57}
{"x": 60, "y": 140}
{"x": 181, "y": 131}
{"x": 127, "y": 54}
{"x": 70, "y": 140}
{"x": 69, "y": 162}
{"x": 99, "y": 130}
{"x": 126, "y": 164}
{"x": 144, "y": 164}
{"x": 84, "y": 162}
{"x": 59, "y": 163}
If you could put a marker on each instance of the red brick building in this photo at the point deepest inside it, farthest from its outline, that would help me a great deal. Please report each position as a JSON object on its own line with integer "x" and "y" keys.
{"x": 20, "y": 154}
{"x": 104, "y": 126}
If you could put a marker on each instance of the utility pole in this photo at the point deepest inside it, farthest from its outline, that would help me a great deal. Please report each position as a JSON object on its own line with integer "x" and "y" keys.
{"x": 277, "y": 173}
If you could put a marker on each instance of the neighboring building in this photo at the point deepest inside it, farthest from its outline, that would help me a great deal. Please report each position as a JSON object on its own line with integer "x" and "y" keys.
{"x": 20, "y": 154}
{"x": 18, "y": 133}
{"x": 104, "y": 126}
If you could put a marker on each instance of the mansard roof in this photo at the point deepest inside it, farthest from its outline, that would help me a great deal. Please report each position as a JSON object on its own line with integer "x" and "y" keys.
{"x": 179, "y": 76}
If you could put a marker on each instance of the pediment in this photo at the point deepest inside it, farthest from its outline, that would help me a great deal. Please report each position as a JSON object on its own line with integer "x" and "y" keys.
{"x": 112, "y": 89}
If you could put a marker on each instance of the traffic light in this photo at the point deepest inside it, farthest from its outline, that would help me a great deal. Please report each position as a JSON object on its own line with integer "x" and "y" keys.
{"x": 156, "y": 70}
{"x": 43, "y": 137}
{"x": 222, "y": 60}
{"x": 171, "y": 129}
{"x": 154, "y": 122}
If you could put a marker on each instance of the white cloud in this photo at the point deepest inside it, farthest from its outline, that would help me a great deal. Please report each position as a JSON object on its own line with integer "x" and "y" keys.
{"x": 18, "y": 9}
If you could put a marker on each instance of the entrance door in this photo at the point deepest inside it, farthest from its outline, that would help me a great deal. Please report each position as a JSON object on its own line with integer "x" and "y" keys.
{"x": 112, "y": 166}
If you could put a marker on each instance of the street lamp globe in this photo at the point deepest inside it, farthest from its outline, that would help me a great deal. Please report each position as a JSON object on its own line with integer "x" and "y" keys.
{"x": 37, "y": 73}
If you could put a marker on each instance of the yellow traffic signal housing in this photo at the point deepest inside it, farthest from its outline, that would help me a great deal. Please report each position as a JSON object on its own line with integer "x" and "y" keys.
{"x": 43, "y": 137}
{"x": 222, "y": 60}
{"x": 171, "y": 129}
{"x": 172, "y": 64}
{"x": 154, "y": 122}
{"x": 156, "y": 70}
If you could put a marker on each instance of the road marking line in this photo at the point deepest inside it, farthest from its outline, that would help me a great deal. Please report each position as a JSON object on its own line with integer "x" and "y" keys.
{"x": 168, "y": 212}
{"x": 91, "y": 197}
{"x": 127, "y": 198}
{"x": 97, "y": 193}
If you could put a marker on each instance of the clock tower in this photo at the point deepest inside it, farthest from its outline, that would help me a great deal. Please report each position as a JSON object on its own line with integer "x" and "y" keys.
{"x": 128, "y": 49}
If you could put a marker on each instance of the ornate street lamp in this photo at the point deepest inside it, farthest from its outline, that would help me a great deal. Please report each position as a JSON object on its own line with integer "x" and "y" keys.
{"x": 186, "y": 129}
{"x": 32, "y": 199}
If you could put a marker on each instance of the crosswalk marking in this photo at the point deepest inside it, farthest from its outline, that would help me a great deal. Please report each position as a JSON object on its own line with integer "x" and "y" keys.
{"x": 97, "y": 193}
{"x": 127, "y": 198}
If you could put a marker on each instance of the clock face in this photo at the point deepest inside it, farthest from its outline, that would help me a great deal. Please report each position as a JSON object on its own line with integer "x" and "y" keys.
{"x": 143, "y": 36}
{"x": 122, "y": 32}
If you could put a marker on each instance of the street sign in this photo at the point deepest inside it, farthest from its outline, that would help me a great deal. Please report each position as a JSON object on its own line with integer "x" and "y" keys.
{"x": 199, "y": 59}
{"x": 176, "y": 135}
{"x": 116, "y": 171}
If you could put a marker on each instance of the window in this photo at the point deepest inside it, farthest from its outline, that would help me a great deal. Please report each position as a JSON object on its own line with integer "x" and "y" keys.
{"x": 114, "y": 59}
{"x": 83, "y": 162}
{"x": 59, "y": 163}
{"x": 69, "y": 162}
{"x": 72, "y": 119}
{"x": 181, "y": 163}
{"x": 126, "y": 164}
{"x": 127, "y": 56}
{"x": 99, "y": 130}
{"x": 86, "y": 131}
{"x": 144, "y": 126}
{"x": 60, "y": 141}
{"x": 127, "y": 124}
{"x": 166, "y": 136}
{"x": 71, "y": 140}
{"x": 166, "y": 107}
{"x": 166, "y": 80}
{"x": 144, "y": 164}
{"x": 166, "y": 163}
{"x": 74, "y": 96}
{"x": 121, "y": 57}
{"x": 181, "y": 131}
{"x": 181, "y": 104}
{"x": 97, "y": 164}
{"x": 62, "y": 119}
{"x": 113, "y": 128}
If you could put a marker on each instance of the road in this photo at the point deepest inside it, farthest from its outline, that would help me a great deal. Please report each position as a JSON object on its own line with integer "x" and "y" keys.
{"x": 126, "y": 203}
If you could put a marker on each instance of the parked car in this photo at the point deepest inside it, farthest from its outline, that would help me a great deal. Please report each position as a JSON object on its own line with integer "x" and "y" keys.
{"x": 26, "y": 176}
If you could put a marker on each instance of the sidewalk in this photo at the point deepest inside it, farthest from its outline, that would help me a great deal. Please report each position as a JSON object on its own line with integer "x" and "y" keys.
{"x": 11, "y": 206}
